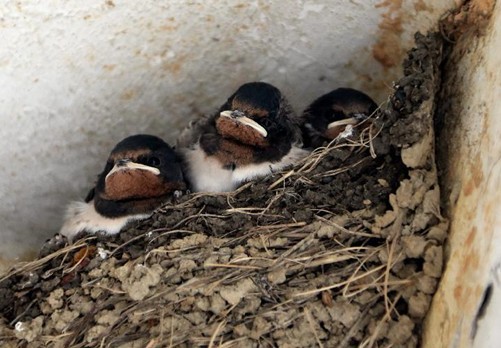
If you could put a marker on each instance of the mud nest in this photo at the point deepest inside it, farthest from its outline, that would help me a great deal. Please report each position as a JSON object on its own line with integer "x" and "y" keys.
{"x": 343, "y": 250}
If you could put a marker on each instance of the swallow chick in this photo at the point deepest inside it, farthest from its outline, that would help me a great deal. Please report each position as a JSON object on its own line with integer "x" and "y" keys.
{"x": 252, "y": 135}
{"x": 328, "y": 116}
{"x": 141, "y": 173}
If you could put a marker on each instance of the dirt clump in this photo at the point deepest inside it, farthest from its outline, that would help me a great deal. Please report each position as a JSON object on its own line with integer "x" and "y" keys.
{"x": 343, "y": 250}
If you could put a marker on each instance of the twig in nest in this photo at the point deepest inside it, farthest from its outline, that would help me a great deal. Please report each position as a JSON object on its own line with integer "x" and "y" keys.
{"x": 167, "y": 251}
{"x": 186, "y": 219}
{"x": 274, "y": 199}
{"x": 249, "y": 211}
{"x": 278, "y": 226}
{"x": 369, "y": 342}
{"x": 216, "y": 333}
{"x": 281, "y": 179}
{"x": 16, "y": 319}
{"x": 80, "y": 261}
{"x": 338, "y": 285}
{"x": 152, "y": 343}
{"x": 233, "y": 343}
{"x": 394, "y": 235}
{"x": 231, "y": 266}
{"x": 357, "y": 269}
{"x": 127, "y": 243}
{"x": 196, "y": 196}
{"x": 371, "y": 137}
{"x": 169, "y": 231}
{"x": 363, "y": 319}
{"x": 260, "y": 229}
{"x": 329, "y": 256}
{"x": 337, "y": 171}
{"x": 33, "y": 265}
{"x": 345, "y": 230}
{"x": 310, "y": 162}
{"x": 298, "y": 245}
{"x": 309, "y": 318}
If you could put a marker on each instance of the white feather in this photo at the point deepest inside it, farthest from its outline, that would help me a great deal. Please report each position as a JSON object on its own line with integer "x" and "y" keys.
{"x": 81, "y": 216}
{"x": 207, "y": 174}
{"x": 254, "y": 171}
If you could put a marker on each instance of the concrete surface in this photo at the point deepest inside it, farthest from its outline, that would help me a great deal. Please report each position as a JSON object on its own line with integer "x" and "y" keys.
{"x": 77, "y": 76}
{"x": 464, "y": 312}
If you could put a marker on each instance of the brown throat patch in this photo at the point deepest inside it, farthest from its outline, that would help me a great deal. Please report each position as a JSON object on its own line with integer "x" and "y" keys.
{"x": 137, "y": 183}
{"x": 232, "y": 129}
{"x": 231, "y": 152}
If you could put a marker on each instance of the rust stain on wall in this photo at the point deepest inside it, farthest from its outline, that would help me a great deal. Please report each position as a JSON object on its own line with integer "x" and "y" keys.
{"x": 472, "y": 17}
{"x": 174, "y": 65}
{"x": 388, "y": 48}
{"x": 168, "y": 27}
{"x": 468, "y": 188}
{"x": 482, "y": 9}
{"x": 470, "y": 260}
{"x": 471, "y": 236}
{"x": 241, "y": 6}
{"x": 420, "y": 5}
{"x": 128, "y": 94}
{"x": 477, "y": 173}
{"x": 458, "y": 292}
{"x": 109, "y": 67}
{"x": 475, "y": 177}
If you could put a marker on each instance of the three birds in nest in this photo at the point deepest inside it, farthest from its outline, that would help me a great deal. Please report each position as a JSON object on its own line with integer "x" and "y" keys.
{"x": 253, "y": 134}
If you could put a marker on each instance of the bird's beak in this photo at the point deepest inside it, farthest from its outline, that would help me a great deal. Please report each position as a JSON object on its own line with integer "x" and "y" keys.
{"x": 245, "y": 121}
{"x": 127, "y": 164}
{"x": 344, "y": 122}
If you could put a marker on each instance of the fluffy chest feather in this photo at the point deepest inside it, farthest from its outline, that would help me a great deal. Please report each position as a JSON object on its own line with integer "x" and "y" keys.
{"x": 82, "y": 216}
{"x": 208, "y": 174}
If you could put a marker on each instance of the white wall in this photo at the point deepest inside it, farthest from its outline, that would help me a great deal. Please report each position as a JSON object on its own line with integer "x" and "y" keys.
{"x": 77, "y": 76}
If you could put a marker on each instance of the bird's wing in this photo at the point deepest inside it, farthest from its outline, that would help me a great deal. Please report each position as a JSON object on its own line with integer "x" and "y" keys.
{"x": 191, "y": 134}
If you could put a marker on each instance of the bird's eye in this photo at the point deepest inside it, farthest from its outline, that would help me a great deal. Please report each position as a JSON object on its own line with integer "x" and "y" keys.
{"x": 153, "y": 161}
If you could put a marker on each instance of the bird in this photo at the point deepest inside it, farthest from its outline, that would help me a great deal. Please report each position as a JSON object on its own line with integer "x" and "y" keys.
{"x": 253, "y": 134}
{"x": 329, "y": 115}
{"x": 141, "y": 173}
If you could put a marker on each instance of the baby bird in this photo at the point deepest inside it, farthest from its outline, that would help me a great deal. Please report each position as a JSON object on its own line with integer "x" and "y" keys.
{"x": 325, "y": 118}
{"x": 252, "y": 135}
{"x": 141, "y": 173}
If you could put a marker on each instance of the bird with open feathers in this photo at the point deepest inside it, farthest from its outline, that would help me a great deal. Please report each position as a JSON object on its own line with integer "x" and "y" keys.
{"x": 329, "y": 115}
{"x": 141, "y": 173}
{"x": 253, "y": 134}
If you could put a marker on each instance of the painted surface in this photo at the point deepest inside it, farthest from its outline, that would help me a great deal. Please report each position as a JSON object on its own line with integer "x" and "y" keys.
{"x": 78, "y": 76}
{"x": 464, "y": 313}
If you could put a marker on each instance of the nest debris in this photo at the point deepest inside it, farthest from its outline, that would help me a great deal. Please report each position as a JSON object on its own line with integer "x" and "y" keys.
{"x": 343, "y": 250}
